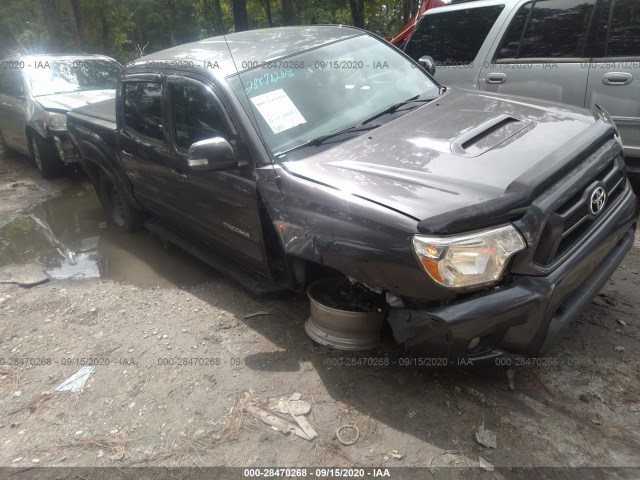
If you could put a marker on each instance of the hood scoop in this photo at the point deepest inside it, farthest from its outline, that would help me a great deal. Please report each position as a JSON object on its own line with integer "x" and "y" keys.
{"x": 487, "y": 135}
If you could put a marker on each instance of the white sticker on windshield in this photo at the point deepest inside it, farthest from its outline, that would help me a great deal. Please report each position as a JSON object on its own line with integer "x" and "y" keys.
{"x": 278, "y": 110}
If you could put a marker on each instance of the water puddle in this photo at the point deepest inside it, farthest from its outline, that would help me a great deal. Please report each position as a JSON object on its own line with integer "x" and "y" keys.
{"x": 70, "y": 237}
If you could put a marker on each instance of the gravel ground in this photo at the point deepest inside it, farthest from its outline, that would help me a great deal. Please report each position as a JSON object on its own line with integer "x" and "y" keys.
{"x": 182, "y": 356}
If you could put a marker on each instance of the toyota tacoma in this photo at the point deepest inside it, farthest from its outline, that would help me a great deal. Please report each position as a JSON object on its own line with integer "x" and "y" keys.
{"x": 485, "y": 223}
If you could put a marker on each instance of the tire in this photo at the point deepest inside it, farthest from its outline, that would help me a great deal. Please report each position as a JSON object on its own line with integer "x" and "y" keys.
{"x": 4, "y": 150}
{"x": 118, "y": 209}
{"x": 45, "y": 156}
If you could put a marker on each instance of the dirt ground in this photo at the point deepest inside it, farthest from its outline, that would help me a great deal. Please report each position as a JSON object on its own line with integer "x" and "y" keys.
{"x": 180, "y": 361}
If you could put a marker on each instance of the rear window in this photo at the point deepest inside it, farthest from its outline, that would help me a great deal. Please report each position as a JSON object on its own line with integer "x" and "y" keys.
{"x": 453, "y": 38}
{"x": 624, "y": 35}
{"x": 549, "y": 29}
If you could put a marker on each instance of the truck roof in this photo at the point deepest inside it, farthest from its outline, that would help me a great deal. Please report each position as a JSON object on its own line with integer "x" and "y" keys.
{"x": 243, "y": 50}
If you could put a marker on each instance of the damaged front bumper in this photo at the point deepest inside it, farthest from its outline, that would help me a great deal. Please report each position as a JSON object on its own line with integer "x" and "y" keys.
{"x": 531, "y": 314}
{"x": 64, "y": 147}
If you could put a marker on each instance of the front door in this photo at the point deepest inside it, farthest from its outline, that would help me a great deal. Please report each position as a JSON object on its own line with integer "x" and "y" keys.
{"x": 614, "y": 77}
{"x": 220, "y": 208}
{"x": 543, "y": 52}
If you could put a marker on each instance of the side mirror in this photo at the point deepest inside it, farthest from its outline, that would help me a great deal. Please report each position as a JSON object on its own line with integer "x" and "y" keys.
{"x": 211, "y": 154}
{"x": 428, "y": 63}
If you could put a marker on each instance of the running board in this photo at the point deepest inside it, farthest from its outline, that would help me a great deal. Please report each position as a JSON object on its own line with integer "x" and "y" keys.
{"x": 251, "y": 281}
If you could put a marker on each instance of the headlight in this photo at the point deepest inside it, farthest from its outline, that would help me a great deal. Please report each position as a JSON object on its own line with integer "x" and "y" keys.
{"x": 55, "y": 121}
{"x": 468, "y": 260}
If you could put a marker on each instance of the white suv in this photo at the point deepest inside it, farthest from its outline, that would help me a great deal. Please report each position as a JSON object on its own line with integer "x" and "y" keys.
{"x": 36, "y": 92}
{"x": 580, "y": 52}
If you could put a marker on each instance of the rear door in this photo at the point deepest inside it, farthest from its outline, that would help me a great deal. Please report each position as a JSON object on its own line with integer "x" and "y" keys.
{"x": 543, "y": 52}
{"x": 220, "y": 208}
{"x": 614, "y": 79}
{"x": 13, "y": 106}
{"x": 144, "y": 146}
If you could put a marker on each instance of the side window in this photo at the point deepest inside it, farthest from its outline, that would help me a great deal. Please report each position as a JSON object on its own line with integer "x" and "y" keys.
{"x": 196, "y": 115}
{"x": 549, "y": 29}
{"x": 143, "y": 108}
{"x": 12, "y": 83}
{"x": 624, "y": 34}
{"x": 453, "y": 38}
{"x": 511, "y": 44}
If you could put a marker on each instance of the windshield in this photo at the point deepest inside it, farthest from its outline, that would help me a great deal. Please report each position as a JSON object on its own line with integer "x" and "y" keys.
{"x": 328, "y": 89}
{"x": 54, "y": 76}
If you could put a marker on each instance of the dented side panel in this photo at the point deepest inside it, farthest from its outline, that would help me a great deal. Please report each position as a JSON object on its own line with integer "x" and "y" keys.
{"x": 361, "y": 239}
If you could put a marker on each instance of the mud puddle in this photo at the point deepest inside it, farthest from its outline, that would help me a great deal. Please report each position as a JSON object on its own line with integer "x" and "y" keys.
{"x": 70, "y": 237}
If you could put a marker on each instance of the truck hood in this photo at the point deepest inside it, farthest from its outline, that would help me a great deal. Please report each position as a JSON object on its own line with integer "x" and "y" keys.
{"x": 464, "y": 148}
{"x": 69, "y": 101}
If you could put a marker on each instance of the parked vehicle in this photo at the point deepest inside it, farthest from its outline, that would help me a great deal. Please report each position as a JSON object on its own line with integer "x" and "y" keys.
{"x": 584, "y": 53}
{"x": 35, "y": 94}
{"x": 400, "y": 38}
{"x": 484, "y": 223}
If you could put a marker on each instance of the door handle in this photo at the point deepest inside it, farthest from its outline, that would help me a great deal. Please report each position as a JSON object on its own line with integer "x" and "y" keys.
{"x": 617, "y": 78}
{"x": 8, "y": 105}
{"x": 127, "y": 154}
{"x": 179, "y": 173}
{"x": 496, "y": 77}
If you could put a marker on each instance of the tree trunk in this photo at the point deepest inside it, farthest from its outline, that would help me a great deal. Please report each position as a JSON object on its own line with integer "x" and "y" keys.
{"x": 53, "y": 24}
{"x": 74, "y": 16}
{"x": 406, "y": 10}
{"x": 357, "y": 13}
{"x": 287, "y": 12}
{"x": 217, "y": 8}
{"x": 240, "y": 19}
{"x": 104, "y": 24}
{"x": 172, "y": 21}
{"x": 267, "y": 11}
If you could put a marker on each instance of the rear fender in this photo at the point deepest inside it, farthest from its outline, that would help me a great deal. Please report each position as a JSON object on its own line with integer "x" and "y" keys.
{"x": 94, "y": 160}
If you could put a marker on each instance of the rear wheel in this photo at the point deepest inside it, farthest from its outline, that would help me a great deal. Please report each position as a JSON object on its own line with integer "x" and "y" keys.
{"x": 3, "y": 147}
{"x": 4, "y": 150}
{"x": 119, "y": 211}
{"x": 45, "y": 156}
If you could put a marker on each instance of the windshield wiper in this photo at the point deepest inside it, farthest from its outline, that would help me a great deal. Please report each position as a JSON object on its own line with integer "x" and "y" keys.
{"x": 396, "y": 106}
{"x": 323, "y": 138}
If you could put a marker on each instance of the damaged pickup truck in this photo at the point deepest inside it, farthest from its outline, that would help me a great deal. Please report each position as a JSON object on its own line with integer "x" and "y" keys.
{"x": 483, "y": 223}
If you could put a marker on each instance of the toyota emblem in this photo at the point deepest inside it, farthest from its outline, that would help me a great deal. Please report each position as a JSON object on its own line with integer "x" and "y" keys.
{"x": 597, "y": 200}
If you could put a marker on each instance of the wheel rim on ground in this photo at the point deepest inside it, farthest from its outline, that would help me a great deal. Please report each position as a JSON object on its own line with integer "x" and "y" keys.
{"x": 36, "y": 154}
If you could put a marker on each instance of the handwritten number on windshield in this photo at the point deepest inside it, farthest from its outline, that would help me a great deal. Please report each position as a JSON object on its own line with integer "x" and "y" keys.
{"x": 267, "y": 79}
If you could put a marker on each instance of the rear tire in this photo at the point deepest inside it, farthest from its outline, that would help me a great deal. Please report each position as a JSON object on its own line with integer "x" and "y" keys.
{"x": 118, "y": 209}
{"x": 45, "y": 156}
{"x": 4, "y": 150}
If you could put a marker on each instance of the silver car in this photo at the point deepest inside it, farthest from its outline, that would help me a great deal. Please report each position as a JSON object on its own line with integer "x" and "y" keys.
{"x": 35, "y": 94}
{"x": 580, "y": 52}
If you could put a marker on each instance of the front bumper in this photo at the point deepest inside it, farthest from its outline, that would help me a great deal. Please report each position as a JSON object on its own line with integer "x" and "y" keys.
{"x": 531, "y": 314}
